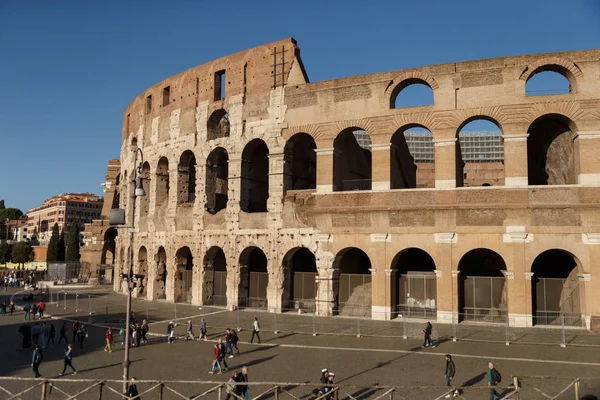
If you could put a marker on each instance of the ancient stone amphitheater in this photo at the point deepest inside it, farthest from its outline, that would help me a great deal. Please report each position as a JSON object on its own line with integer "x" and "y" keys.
{"x": 267, "y": 191}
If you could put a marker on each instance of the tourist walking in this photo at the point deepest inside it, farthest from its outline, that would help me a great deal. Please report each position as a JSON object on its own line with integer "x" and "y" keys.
{"x": 63, "y": 333}
{"x": 34, "y": 310}
{"x": 75, "y": 329}
{"x": 202, "y": 330}
{"x": 216, "y": 362}
{"x": 324, "y": 380}
{"x": 190, "y": 333}
{"x": 35, "y": 333}
{"x": 145, "y": 330}
{"x": 494, "y": 378}
{"x": 234, "y": 341}
{"x": 255, "y": 331}
{"x": 449, "y": 373}
{"x": 138, "y": 334}
{"x": 41, "y": 308}
{"x": 231, "y": 386}
{"x": 109, "y": 337}
{"x": 132, "y": 390}
{"x": 223, "y": 354}
{"x": 51, "y": 335}
{"x": 25, "y": 330}
{"x": 36, "y": 360}
{"x": 82, "y": 332}
{"x": 122, "y": 333}
{"x": 243, "y": 389}
{"x": 228, "y": 342}
{"x": 27, "y": 312}
{"x": 11, "y": 307}
{"x": 44, "y": 335}
{"x": 170, "y": 332}
{"x": 69, "y": 360}
{"x": 427, "y": 335}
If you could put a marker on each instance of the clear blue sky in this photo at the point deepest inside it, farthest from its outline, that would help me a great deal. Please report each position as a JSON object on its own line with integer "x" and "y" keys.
{"x": 68, "y": 68}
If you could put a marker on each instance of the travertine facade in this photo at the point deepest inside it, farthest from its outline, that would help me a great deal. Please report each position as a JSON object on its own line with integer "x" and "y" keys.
{"x": 251, "y": 171}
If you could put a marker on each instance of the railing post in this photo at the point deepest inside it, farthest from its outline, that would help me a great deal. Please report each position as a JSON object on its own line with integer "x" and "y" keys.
{"x": 175, "y": 313}
{"x": 106, "y": 305}
{"x": 577, "y": 394}
{"x": 275, "y": 331}
{"x": 392, "y": 393}
{"x": 315, "y": 323}
{"x": 65, "y": 300}
{"x": 76, "y": 302}
{"x": 404, "y": 334}
{"x": 220, "y": 393}
{"x": 44, "y": 387}
{"x": 506, "y": 331}
{"x": 276, "y": 393}
{"x": 147, "y": 315}
{"x": 358, "y": 327}
{"x": 90, "y": 303}
{"x": 100, "y": 390}
{"x": 454, "y": 338}
{"x": 564, "y": 339}
{"x": 237, "y": 315}
{"x": 160, "y": 392}
{"x": 517, "y": 395}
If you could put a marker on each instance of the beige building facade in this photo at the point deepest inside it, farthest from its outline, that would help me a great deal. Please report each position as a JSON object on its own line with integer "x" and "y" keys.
{"x": 260, "y": 195}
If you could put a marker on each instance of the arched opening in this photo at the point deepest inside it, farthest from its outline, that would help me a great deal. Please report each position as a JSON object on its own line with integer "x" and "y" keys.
{"x": 555, "y": 290}
{"x": 352, "y": 160}
{"x": 214, "y": 285}
{"x": 551, "y": 151}
{"x": 412, "y": 158}
{"x": 217, "y": 173}
{"x": 300, "y": 168}
{"x": 117, "y": 196}
{"x": 548, "y": 80}
{"x": 255, "y": 177}
{"x": 411, "y": 93}
{"x": 109, "y": 246}
{"x": 254, "y": 278}
{"x": 162, "y": 178}
{"x": 144, "y": 201}
{"x": 353, "y": 293}
{"x": 183, "y": 275}
{"x": 480, "y": 153}
{"x": 186, "y": 178}
{"x": 300, "y": 277}
{"x": 416, "y": 284}
{"x": 141, "y": 267}
{"x": 482, "y": 291}
{"x": 218, "y": 125}
{"x": 160, "y": 284}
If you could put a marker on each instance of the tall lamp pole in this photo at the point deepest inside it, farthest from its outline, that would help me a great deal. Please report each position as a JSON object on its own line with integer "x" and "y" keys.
{"x": 130, "y": 278}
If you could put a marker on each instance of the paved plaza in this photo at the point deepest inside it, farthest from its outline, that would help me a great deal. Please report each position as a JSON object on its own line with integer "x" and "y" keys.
{"x": 298, "y": 357}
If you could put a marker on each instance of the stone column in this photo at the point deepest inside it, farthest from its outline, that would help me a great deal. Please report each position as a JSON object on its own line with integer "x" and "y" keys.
{"x": 234, "y": 187}
{"x": 200, "y": 199}
{"x": 515, "y": 160}
{"x": 445, "y": 163}
{"x": 326, "y": 279}
{"x": 275, "y": 201}
{"x": 325, "y": 170}
{"x": 381, "y": 296}
{"x": 587, "y": 162}
{"x": 585, "y": 287}
{"x": 446, "y": 278}
{"x": 380, "y": 162}
{"x": 233, "y": 284}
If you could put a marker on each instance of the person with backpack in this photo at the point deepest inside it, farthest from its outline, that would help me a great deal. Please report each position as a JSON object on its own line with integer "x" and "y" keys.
{"x": 63, "y": 333}
{"x": 27, "y": 311}
{"x": 449, "y": 373}
{"x": 234, "y": 341}
{"x": 494, "y": 378}
{"x": 36, "y": 360}
{"x": 34, "y": 310}
{"x": 69, "y": 360}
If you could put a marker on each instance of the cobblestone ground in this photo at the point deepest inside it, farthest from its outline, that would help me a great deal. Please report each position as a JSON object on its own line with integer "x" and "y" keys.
{"x": 294, "y": 355}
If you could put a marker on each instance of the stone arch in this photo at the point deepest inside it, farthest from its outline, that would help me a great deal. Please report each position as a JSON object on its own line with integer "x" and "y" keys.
{"x": 352, "y": 271}
{"x": 184, "y": 267}
{"x": 479, "y": 152}
{"x": 482, "y": 289}
{"x": 186, "y": 178}
{"x": 411, "y": 75}
{"x": 412, "y": 158}
{"x": 555, "y": 290}
{"x": 300, "y": 158}
{"x": 218, "y": 125}
{"x": 551, "y": 151}
{"x": 560, "y": 65}
{"x": 144, "y": 201}
{"x": 109, "y": 246}
{"x": 352, "y": 160}
{"x": 415, "y": 284}
{"x": 160, "y": 283}
{"x": 407, "y": 82}
{"x": 162, "y": 182}
{"x": 254, "y": 278}
{"x": 216, "y": 182}
{"x": 255, "y": 177}
{"x": 299, "y": 281}
{"x": 141, "y": 267}
{"x": 214, "y": 283}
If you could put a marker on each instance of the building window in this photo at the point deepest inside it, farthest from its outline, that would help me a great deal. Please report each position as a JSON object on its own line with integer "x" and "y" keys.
{"x": 166, "y": 96}
{"x": 148, "y": 104}
{"x": 220, "y": 85}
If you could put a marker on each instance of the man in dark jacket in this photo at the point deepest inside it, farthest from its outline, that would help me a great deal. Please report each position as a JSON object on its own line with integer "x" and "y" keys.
{"x": 36, "y": 360}
{"x": 132, "y": 390}
{"x": 69, "y": 360}
{"x": 243, "y": 389}
{"x": 63, "y": 333}
{"x": 493, "y": 379}
{"x": 449, "y": 373}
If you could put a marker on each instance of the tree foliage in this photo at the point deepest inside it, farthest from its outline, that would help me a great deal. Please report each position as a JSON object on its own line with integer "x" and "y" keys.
{"x": 22, "y": 252}
{"x": 5, "y": 252}
{"x": 52, "y": 254}
{"x": 73, "y": 243}
{"x": 61, "y": 247}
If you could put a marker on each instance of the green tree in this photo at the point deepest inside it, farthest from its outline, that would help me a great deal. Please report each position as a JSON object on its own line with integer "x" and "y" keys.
{"x": 22, "y": 253}
{"x": 5, "y": 252}
{"x": 73, "y": 243}
{"x": 61, "y": 246}
{"x": 52, "y": 254}
{"x": 10, "y": 213}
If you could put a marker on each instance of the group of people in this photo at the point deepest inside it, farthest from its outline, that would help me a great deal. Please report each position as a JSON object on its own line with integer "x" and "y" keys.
{"x": 223, "y": 349}
{"x": 79, "y": 331}
{"x": 43, "y": 336}
{"x": 493, "y": 379}
{"x": 7, "y": 309}
{"x": 10, "y": 279}
{"x": 137, "y": 333}
{"x": 31, "y": 310}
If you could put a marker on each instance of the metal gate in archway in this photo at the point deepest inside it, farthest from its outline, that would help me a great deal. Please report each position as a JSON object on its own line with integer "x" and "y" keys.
{"x": 219, "y": 296}
{"x": 354, "y": 295}
{"x": 557, "y": 301}
{"x": 417, "y": 295}
{"x": 484, "y": 298}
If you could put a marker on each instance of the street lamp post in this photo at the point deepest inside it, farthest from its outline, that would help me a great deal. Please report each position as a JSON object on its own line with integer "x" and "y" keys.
{"x": 130, "y": 278}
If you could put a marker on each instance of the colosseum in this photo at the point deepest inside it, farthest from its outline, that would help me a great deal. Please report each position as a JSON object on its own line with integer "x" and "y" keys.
{"x": 265, "y": 190}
